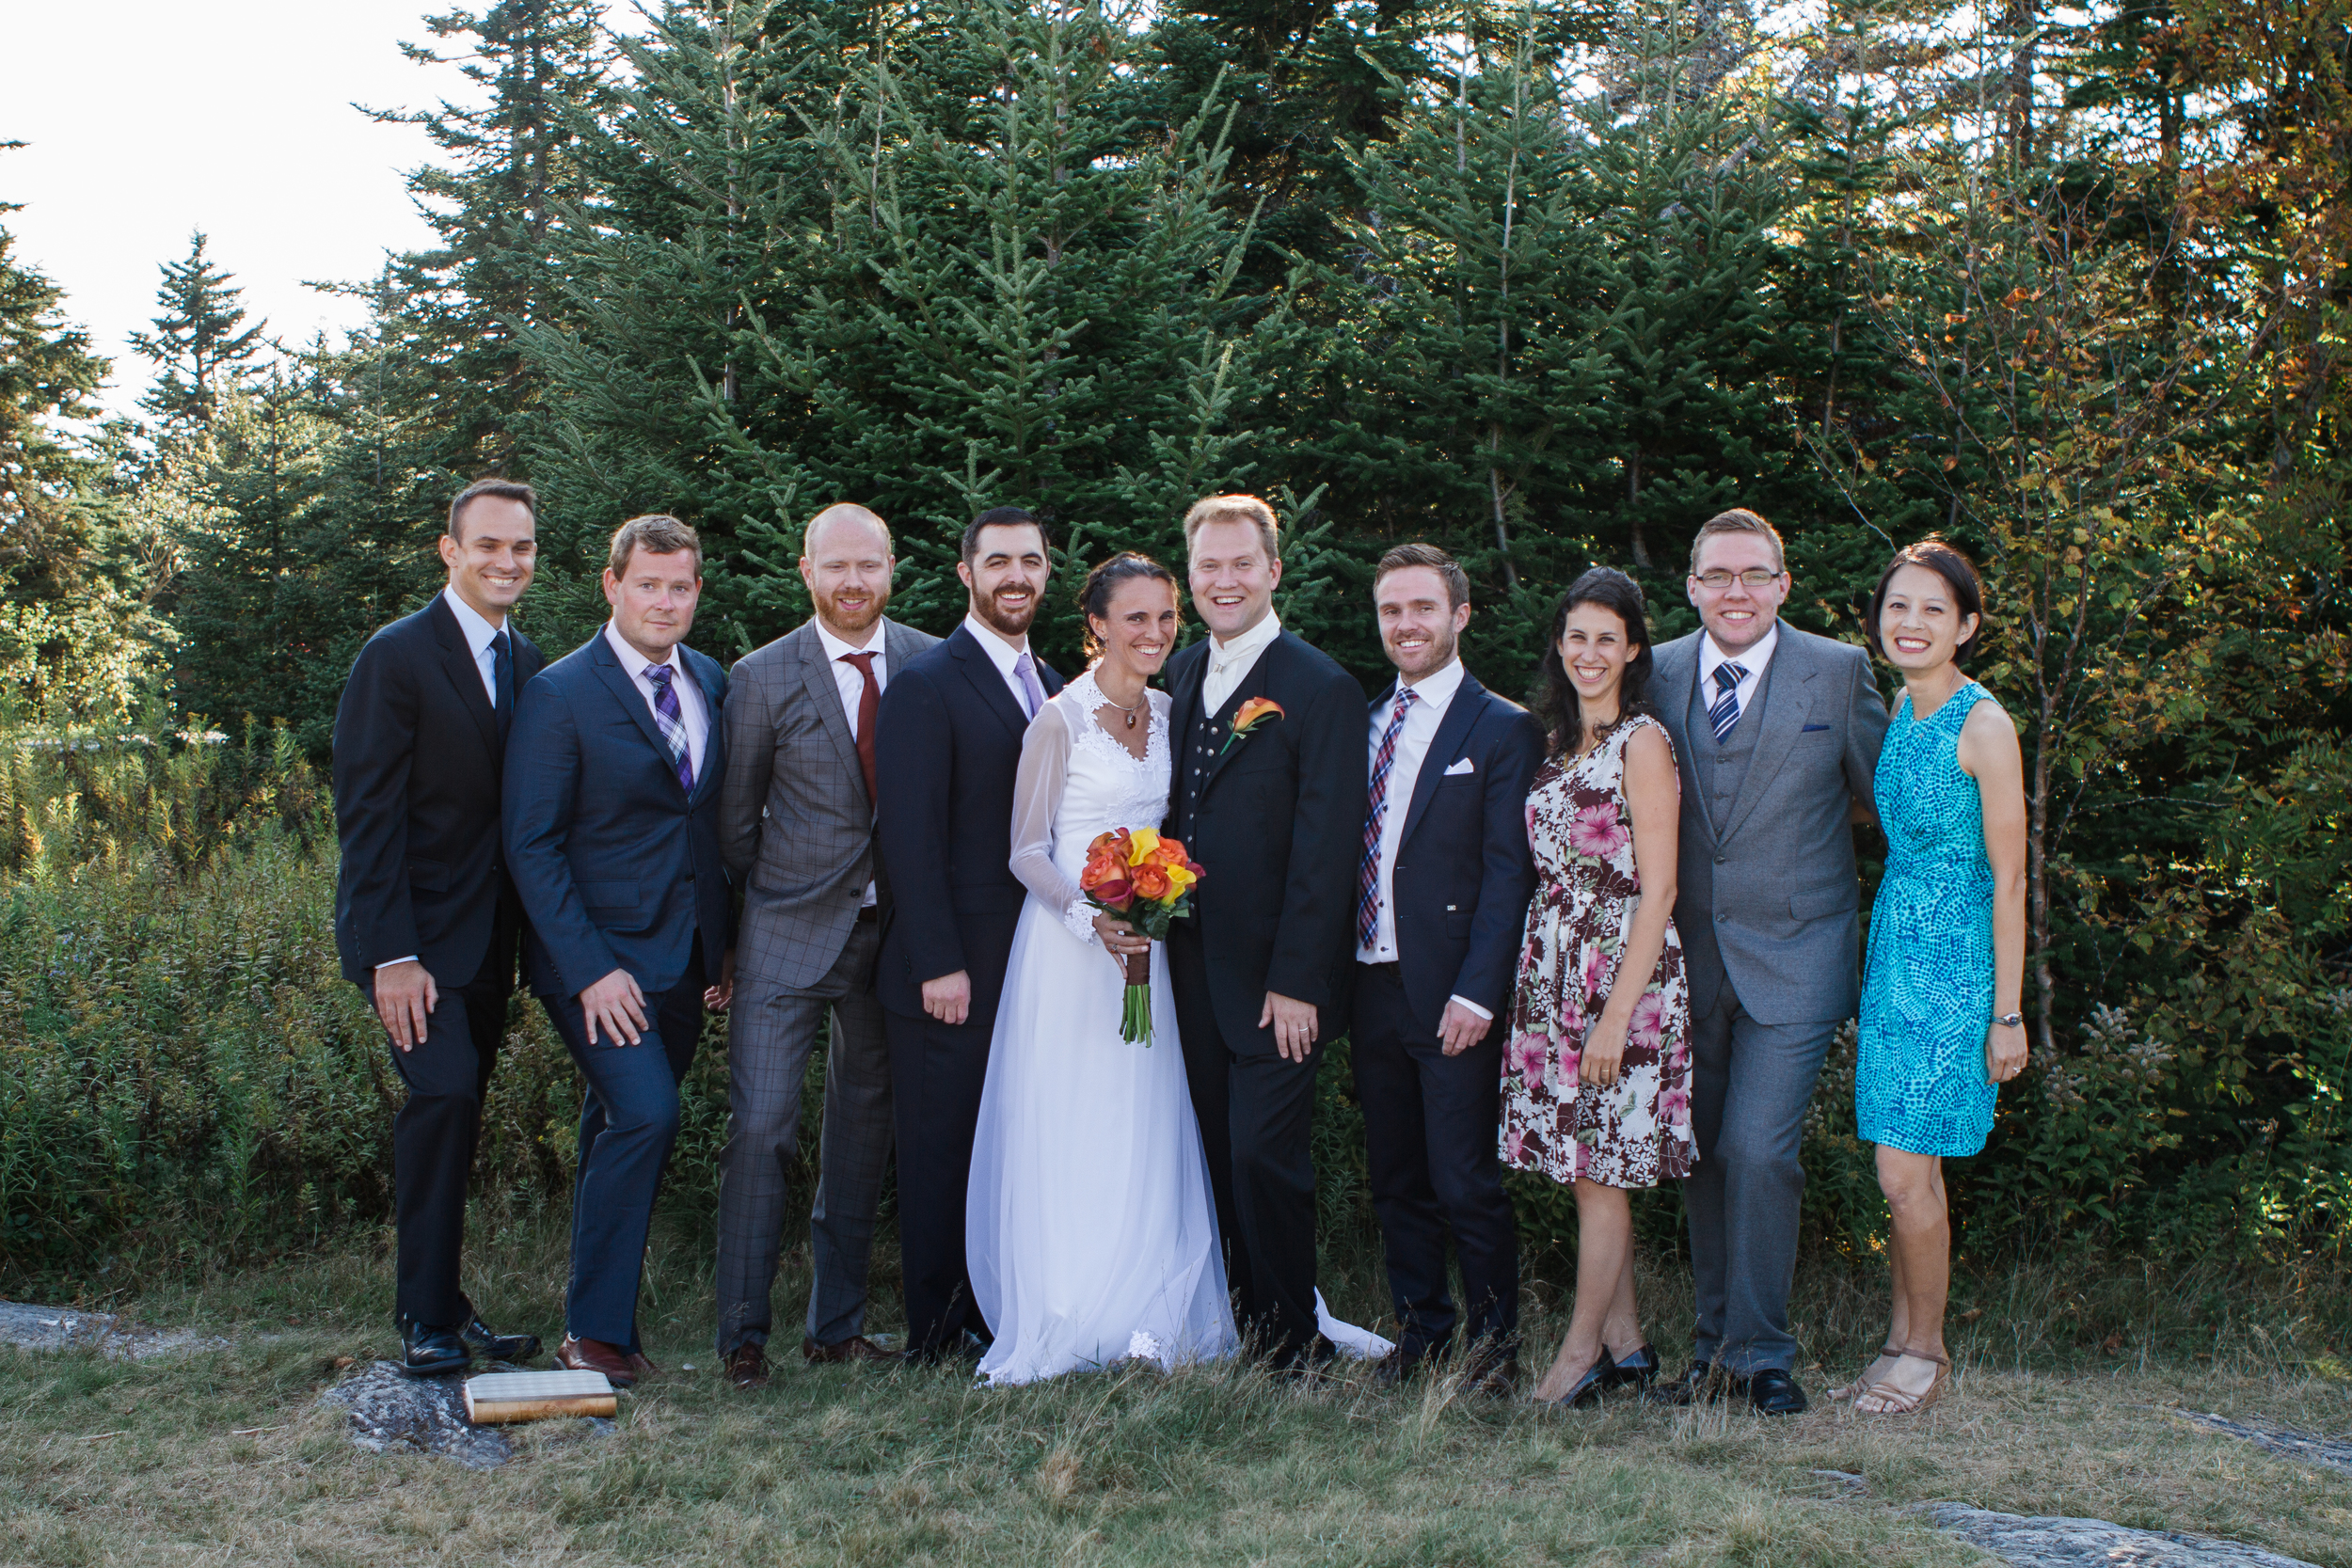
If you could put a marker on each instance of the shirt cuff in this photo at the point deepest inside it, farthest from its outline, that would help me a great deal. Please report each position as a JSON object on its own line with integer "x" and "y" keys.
{"x": 389, "y": 962}
{"x": 1473, "y": 1007}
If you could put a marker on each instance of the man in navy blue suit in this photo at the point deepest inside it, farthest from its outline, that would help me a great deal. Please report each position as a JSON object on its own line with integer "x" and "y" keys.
{"x": 1442, "y": 895}
{"x": 946, "y": 745}
{"x": 612, "y": 822}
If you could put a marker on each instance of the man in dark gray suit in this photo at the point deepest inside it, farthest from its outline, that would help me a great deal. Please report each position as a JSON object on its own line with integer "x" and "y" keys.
{"x": 1776, "y": 733}
{"x": 797, "y": 828}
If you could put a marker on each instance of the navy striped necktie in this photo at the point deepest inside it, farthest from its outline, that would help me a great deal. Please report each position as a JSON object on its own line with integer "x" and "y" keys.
{"x": 1725, "y": 712}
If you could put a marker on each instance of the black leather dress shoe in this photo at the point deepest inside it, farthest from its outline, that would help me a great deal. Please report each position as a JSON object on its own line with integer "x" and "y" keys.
{"x": 1701, "y": 1385}
{"x": 492, "y": 1346}
{"x": 1637, "y": 1370}
{"x": 1773, "y": 1392}
{"x": 1392, "y": 1370}
{"x": 429, "y": 1352}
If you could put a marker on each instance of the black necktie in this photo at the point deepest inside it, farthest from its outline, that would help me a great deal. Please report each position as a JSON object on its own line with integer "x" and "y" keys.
{"x": 502, "y": 665}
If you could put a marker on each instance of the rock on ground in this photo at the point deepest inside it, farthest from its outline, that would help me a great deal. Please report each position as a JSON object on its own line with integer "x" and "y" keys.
{"x": 2095, "y": 1544}
{"x": 61, "y": 1328}
{"x": 391, "y": 1410}
{"x": 2328, "y": 1454}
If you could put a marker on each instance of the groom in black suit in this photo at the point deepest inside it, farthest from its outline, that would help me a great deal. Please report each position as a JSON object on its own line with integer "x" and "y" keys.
{"x": 946, "y": 745}
{"x": 425, "y": 917}
{"x": 1262, "y": 972}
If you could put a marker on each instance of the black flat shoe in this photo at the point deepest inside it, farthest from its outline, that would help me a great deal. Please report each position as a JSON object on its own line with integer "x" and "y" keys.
{"x": 1637, "y": 1370}
{"x": 491, "y": 1345}
{"x": 1773, "y": 1392}
{"x": 1588, "y": 1387}
{"x": 429, "y": 1352}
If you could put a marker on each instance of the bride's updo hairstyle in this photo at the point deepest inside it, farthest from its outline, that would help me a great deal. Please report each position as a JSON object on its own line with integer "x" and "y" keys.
{"x": 1094, "y": 598}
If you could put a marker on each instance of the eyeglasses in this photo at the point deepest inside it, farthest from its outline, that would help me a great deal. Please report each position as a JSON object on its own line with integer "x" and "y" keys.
{"x": 1754, "y": 576}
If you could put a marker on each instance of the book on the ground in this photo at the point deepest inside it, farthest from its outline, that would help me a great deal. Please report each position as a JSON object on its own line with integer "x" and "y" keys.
{"x": 496, "y": 1398}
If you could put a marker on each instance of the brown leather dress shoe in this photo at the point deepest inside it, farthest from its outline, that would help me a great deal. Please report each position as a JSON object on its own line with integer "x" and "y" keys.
{"x": 746, "y": 1367}
{"x": 640, "y": 1366}
{"x": 1498, "y": 1377}
{"x": 594, "y": 1356}
{"x": 857, "y": 1347}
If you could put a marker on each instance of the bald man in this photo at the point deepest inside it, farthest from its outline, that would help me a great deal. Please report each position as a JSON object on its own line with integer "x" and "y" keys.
{"x": 797, "y": 828}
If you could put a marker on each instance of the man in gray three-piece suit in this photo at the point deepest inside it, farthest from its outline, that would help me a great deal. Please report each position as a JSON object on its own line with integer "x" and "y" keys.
{"x": 1776, "y": 733}
{"x": 797, "y": 828}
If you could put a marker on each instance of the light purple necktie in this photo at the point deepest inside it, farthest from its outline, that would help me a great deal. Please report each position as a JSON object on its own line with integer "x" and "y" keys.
{"x": 673, "y": 722}
{"x": 1025, "y": 667}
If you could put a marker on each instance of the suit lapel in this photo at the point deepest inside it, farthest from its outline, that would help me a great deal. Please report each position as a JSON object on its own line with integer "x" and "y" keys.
{"x": 464, "y": 674}
{"x": 1677, "y": 686}
{"x": 981, "y": 672}
{"x": 711, "y": 681}
{"x": 1788, "y": 703}
{"x": 816, "y": 678}
{"x": 608, "y": 668}
{"x": 1469, "y": 700}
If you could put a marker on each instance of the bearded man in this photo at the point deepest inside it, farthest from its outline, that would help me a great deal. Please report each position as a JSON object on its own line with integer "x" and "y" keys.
{"x": 796, "y": 823}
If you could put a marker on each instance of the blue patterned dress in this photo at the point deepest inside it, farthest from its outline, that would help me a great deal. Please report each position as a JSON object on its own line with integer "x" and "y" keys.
{"x": 1926, "y": 992}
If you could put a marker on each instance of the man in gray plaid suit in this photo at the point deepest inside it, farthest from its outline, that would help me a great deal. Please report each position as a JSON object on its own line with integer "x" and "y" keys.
{"x": 797, "y": 828}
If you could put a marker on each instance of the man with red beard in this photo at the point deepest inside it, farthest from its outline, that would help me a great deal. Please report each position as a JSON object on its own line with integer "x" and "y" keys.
{"x": 796, "y": 824}
{"x": 946, "y": 748}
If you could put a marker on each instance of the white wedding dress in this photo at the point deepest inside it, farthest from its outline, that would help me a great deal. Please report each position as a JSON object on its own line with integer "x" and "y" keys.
{"x": 1089, "y": 1229}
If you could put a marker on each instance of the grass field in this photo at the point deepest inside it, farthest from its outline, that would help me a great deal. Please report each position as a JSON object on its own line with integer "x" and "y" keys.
{"x": 221, "y": 1456}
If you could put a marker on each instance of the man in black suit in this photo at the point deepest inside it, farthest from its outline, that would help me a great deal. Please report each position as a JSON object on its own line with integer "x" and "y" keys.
{"x": 947, "y": 743}
{"x": 613, "y": 832}
{"x": 1261, "y": 972}
{"x": 1442, "y": 895}
{"x": 425, "y": 918}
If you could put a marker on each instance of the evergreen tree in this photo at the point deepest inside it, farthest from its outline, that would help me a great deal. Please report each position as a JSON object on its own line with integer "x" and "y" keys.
{"x": 201, "y": 345}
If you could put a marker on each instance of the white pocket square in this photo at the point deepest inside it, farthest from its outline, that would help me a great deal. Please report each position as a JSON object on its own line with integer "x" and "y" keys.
{"x": 1460, "y": 769}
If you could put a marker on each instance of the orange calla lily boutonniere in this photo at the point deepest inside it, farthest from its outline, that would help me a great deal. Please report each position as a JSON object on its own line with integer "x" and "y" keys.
{"x": 1246, "y": 719}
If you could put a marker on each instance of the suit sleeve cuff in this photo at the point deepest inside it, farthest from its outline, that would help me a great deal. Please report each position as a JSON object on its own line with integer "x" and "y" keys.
{"x": 1473, "y": 1007}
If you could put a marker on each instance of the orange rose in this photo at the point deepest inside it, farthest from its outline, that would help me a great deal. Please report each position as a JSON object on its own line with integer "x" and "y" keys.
{"x": 1150, "y": 882}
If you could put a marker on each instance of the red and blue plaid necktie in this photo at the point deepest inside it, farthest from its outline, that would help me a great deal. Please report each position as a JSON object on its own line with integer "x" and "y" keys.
{"x": 1367, "y": 870}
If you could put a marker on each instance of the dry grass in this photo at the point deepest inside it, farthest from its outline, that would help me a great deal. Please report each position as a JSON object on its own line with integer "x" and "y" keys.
{"x": 105, "y": 1461}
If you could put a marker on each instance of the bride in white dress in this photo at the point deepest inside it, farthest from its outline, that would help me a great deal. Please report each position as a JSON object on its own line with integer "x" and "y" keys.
{"x": 1089, "y": 1228}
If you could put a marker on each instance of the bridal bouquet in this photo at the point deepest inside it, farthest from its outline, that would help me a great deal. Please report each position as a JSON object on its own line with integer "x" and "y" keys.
{"x": 1146, "y": 880}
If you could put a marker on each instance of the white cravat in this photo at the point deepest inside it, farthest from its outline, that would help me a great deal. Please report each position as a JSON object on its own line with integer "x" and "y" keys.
{"x": 1230, "y": 664}
{"x": 1751, "y": 660}
{"x": 692, "y": 715}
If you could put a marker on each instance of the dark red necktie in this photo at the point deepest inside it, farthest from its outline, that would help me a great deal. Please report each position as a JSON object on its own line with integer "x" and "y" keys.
{"x": 868, "y": 704}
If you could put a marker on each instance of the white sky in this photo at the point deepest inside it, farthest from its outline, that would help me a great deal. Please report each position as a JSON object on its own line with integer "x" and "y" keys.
{"x": 146, "y": 119}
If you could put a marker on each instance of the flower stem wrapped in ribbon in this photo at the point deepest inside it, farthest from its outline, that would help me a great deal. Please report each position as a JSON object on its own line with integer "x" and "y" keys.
{"x": 1146, "y": 880}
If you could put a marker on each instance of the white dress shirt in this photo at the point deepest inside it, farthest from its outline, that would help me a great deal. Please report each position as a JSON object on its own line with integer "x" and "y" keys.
{"x": 1433, "y": 694}
{"x": 1230, "y": 664}
{"x": 480, "y": 636}
{"x": 1005, "y": 655}
{"x": 1753, "y": 659}
{"x": 852, "y": 685}
{"x": 690, "y": 695}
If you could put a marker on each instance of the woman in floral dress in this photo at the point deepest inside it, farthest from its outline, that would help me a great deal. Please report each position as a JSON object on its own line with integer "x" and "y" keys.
{"x": 1597, "y": 1075}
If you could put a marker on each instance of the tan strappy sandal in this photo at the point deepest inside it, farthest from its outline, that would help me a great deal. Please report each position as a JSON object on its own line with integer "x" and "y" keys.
{"x": 1861, "y": 1385}
{"x": 1899, "y": 1401}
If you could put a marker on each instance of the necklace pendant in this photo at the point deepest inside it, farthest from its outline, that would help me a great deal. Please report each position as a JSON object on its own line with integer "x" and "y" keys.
{"x": 1131, "y": 720}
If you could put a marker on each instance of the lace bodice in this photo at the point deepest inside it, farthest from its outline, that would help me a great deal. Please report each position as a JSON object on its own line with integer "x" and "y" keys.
{"x": 1077, "y": 782}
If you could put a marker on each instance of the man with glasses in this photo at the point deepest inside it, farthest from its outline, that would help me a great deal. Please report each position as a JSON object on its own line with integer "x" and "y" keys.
{"x": 1776, "y": 733}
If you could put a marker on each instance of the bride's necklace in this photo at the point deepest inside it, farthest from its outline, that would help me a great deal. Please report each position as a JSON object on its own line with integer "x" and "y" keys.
{"x": 1130, "y": 712}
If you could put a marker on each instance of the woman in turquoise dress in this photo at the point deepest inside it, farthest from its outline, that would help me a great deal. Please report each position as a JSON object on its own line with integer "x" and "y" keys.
{"x": 1941, "y": 1028}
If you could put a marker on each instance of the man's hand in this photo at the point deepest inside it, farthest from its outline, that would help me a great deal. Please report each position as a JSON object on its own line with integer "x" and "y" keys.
{"x": 1460, "y": 1028}
{"x": 617, "y": 1004}
{"x": 405, "y": 994}
{"x": 1294, "y": 1025}
{"x": 1119, "y": 939}
{"x": 1603, "y": 1055}
{"x": 948, "y": 998}
{"x": 719, "y": 997}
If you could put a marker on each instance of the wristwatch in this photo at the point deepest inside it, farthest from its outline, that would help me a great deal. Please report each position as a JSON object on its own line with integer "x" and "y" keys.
{"x": 2010, "y": 1020}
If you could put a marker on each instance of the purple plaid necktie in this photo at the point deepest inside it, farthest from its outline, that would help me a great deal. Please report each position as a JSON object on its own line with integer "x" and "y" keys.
{"x": 1367, "y": 870}
{"x": 673, "y": 722}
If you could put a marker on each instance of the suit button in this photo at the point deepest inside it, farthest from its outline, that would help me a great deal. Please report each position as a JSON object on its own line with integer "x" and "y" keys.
{"x": 1721, "y": 919}
{"x": 1719, "y": 859}
{"x": 689, "y": 878}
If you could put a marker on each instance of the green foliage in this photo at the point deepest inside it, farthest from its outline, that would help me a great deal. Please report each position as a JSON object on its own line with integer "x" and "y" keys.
{"x": 197, "y": 342}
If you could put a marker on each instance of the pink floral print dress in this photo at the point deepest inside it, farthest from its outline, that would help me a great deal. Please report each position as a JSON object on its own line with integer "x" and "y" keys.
{"x": 1637, "y": 1131}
